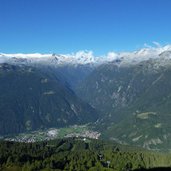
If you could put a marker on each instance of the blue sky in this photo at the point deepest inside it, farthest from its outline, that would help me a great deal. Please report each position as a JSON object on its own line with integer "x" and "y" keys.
{"x": 65, "y": 26}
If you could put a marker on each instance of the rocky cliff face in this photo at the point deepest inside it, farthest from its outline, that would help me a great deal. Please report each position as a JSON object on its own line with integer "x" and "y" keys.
{"x": 134, "y": 101}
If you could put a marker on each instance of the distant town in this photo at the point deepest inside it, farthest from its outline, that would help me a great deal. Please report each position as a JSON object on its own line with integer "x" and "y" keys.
{"x": 80, "y": 131}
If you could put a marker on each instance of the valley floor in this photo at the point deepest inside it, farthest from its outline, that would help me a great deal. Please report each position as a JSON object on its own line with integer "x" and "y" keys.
{"x": 83, "y": 131}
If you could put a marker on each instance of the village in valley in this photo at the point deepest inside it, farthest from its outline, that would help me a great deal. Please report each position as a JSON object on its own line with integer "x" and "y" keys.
{"x": 78, "y": 131}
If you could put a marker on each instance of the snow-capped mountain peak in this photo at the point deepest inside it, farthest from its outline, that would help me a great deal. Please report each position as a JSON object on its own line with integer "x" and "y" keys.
{"x": 87, "y": 57}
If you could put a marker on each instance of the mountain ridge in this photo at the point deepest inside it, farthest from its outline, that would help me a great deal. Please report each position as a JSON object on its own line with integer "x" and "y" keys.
{"x": 33, "y": 98}
{"x": 134, "y": 102}
{"x": 87, "y": 57}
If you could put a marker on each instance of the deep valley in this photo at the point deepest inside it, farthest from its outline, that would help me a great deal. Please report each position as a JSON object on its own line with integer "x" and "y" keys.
{"x": 116, "y": 111}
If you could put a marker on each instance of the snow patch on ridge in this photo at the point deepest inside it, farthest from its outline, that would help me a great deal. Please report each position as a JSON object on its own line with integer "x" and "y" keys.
{"x": 87, "y": 57}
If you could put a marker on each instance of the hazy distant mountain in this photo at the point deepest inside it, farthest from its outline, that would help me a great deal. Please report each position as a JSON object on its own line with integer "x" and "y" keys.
{"x": 87, "y": 57}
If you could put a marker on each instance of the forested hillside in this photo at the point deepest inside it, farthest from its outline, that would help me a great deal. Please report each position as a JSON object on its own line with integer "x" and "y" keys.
{"x": 77, "y": 155}
{"x": 32, "y": 98}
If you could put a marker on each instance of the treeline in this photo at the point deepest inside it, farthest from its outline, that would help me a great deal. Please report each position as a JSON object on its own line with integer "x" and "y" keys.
{"x": 76, "y": 155}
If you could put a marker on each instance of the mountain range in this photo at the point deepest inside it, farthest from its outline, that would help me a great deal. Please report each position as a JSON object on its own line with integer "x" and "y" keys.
{"x": 126, "y": 96}
{"x": 87, "y": 57}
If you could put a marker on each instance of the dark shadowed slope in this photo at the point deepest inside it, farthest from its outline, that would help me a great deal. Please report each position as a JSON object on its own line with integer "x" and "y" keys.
{"x": 31, "y": 98}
